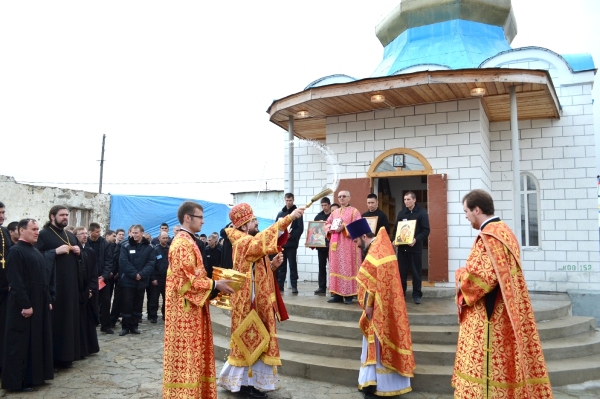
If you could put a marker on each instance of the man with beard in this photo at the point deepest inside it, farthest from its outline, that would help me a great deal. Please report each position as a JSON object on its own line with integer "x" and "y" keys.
{"x": 290, "y": 248}
{"x": 63, "y": 258}
{"x": 189, "y": 356}
{"x": 344, "y": 257}
{"x": 323, "y": 253}
{"x": 103, "y": 253}
{"x": 252, "y": 363}
{"x": 387, "y": 358}
{"x": 88, "y": 315}
{"x": 28, "y": 355}
{"x": 499, "y": 353}
{"x": 7, "y": 242}
{"x": 136, "y": 264}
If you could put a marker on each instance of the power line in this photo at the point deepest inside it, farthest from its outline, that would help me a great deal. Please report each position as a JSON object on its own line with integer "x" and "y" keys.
{"x": 159, "y": 183}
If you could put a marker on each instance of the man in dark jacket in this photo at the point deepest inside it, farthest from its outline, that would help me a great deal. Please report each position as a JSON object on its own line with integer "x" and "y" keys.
{"x": 104, "y": 254}
{"x": 158, "y": 280}
{"x": 136, "y": 264}
{"x": 323, "y": 253}
{"x": 373, "y": 210}
{"x": 213, "y": 254}
{"x": 115, "y": 310}
{"x": 226, "y": 249}
{"x": 410, "y": 255}
{"x": 290, "y": 248}
{"x": 163, "y": 227}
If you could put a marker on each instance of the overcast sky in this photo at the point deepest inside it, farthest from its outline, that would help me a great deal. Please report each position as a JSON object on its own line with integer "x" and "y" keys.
{"x": 181, "y": 88}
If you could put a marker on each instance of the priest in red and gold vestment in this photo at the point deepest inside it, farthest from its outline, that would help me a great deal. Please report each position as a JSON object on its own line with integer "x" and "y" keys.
{"x": 499, "y": 354}
{"x": 387, "y": 360}
{"x": 189, "y": 357}
{"x": 254, "y": 355}
{"x": 344, "y": 256}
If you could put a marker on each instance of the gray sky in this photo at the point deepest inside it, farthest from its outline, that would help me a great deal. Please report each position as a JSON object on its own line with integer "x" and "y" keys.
{"x": 180, "y": 88}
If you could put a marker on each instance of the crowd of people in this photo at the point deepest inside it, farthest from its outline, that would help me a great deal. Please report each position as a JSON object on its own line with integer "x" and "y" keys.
{"x": 58, "y": 285}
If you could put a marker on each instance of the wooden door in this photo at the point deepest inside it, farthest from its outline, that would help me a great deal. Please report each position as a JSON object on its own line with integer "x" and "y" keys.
{"x": 437, "y": 208}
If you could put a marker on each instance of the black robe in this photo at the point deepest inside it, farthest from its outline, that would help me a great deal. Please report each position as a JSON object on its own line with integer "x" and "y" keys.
{"x": 3, "y": 289}
{"x": 88, "y": 315}
{"x": 28, "y": 351}
{"x": 69, "y": 271}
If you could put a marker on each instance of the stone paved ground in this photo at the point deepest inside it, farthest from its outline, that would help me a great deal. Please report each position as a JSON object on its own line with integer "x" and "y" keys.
{"x": 131, "y": 367}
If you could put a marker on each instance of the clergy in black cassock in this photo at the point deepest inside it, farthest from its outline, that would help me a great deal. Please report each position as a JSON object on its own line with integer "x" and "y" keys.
{"x": 62, "y": 252}
{"x": 28, "y": 353}
{"x": 6, "y": 244}
{"x": 88, "y": 302}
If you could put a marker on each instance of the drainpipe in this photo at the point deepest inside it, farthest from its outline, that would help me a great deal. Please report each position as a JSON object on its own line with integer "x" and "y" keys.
{"x": 291, "y": 153}
{"x": 514, "y": 127}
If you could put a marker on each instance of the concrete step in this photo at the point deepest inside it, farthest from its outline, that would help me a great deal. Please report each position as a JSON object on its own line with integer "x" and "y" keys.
{"x": 428, "y": 377}
{"x": 421, "y": 334}
{"x": 576, "y": 346}
{"x": 432, "y": 311}
{"x": 548, "y": 329}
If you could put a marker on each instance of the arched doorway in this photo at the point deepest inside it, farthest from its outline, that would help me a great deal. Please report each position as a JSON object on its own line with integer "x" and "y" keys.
{"x": 399, "y": 170}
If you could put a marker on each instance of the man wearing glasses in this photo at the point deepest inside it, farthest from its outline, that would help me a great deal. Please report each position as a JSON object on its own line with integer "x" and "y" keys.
{"x": 344, "y": 256}
{"x": 189, "y": 357}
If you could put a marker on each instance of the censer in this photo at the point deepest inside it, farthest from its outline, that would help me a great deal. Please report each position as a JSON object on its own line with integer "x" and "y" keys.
{"x": 223, "y": 300}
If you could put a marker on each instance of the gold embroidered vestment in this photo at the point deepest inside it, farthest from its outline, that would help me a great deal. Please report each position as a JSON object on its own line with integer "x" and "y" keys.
{"x": 501, "y": 357}
{"x": 189, "y": 361}
{"x": 379, "y": 282}
{"x": 249, "y": 341}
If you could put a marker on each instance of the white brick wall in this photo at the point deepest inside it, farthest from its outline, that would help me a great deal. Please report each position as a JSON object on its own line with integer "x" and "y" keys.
{"x": 457, "y": 139}
{"x": 556, "y": 153}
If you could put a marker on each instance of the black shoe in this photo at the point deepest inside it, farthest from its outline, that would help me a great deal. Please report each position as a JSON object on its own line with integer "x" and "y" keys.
{"x": 418, "y": 301}
{"x": 153, "y": 321}
{"x": 336, "y": 299}
{"x": 255, "y": 393}
{"x": 134, "y": 331}
{"x": 24, "y": 389}
{"x": 348, "y": 300}
{"x": 107, "y": 330}
{"x": 294, "y": 290}
{"x": 123, "y": 332}
{"x": 320, "y": 292}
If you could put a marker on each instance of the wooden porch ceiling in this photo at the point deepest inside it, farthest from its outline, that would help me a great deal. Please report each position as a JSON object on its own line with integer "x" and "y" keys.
{"x": 536, "y": 97}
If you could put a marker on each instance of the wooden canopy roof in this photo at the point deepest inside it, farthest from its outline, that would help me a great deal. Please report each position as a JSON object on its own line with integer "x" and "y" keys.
{"x": 536, "y": 97}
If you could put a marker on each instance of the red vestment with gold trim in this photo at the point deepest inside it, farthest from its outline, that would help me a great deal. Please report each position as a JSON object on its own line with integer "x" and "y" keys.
{"x": 501, "y": 357}
{"x": 344, "y": 256}
{"x": 379, "y": 286}
{"x": 189, "y": 361}
{"x": 248, "y": 343}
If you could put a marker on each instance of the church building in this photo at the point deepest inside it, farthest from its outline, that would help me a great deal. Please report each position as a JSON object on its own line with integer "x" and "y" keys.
{"x": 453, "y": 107}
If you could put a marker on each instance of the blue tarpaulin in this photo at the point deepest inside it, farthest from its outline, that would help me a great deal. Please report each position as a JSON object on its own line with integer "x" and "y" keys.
{"x": 151, "y": 211}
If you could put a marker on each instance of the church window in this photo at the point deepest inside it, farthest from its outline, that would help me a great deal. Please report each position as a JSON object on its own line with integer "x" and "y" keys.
{"x": 530, "y": 214}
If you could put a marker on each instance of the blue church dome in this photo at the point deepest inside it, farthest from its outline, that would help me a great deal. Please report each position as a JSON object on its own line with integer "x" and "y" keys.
{"x": 455, "y": 34}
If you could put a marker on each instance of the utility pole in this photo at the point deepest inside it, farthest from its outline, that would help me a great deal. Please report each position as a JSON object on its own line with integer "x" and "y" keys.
{"x": 102, "y": 163}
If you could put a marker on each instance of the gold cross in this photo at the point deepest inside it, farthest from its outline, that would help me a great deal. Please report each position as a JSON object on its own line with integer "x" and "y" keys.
{"x": 3, "y": 262}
